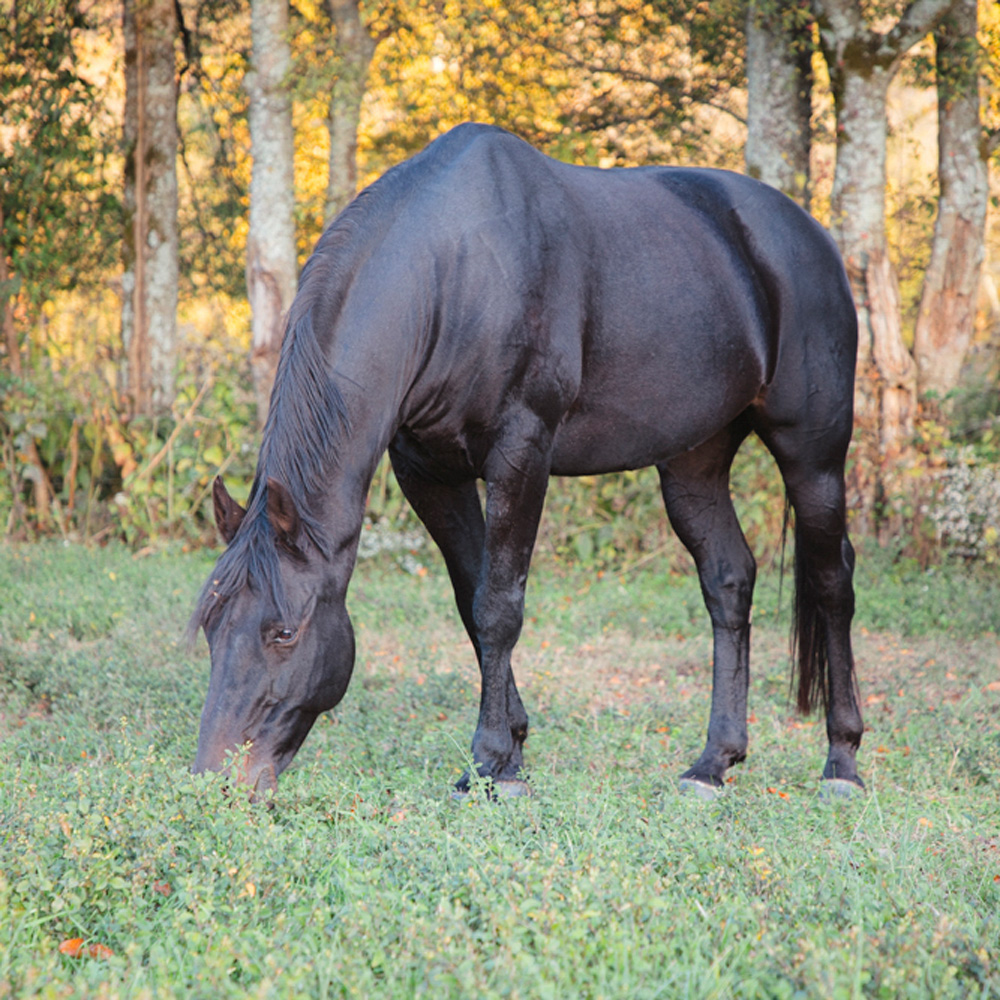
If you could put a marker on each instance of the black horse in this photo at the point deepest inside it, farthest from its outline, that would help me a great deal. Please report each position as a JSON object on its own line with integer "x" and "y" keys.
{"x": 485, "y": 312}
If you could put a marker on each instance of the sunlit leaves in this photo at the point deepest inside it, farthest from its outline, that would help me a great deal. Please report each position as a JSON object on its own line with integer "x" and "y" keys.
{"x": 600, "y": 82}
{"x": 214, "y": 171}
{"x": 60, "y": 212}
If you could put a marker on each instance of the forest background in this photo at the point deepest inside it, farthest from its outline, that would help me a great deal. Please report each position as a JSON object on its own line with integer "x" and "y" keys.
{"x": 166, "y": 166}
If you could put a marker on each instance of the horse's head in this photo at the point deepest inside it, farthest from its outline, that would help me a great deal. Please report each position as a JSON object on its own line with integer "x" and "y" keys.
{"x": 281, "y": 641}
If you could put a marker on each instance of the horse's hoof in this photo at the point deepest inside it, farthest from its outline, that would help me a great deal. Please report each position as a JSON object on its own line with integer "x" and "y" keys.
{"x": 511, "y": 789}
{"x": 701, "y": 789}
{"x": 507, "y": 789}
{"x": 832, "y": 789}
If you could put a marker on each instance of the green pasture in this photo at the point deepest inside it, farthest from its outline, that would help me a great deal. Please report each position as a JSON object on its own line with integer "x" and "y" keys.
{"x": 366, "y": 879}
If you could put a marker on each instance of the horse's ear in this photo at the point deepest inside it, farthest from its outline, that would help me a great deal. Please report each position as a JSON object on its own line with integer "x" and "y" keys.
{"x": 228, "y": 513}
{"x": 283, "y": 514}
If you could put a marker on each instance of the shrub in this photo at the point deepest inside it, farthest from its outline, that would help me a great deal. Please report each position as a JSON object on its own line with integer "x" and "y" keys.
{"x": 77, "y": 466}
{"x": 965, "y": 510}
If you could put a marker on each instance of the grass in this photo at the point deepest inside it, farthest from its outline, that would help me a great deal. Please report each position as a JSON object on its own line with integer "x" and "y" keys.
{"x": 367, "y": 880}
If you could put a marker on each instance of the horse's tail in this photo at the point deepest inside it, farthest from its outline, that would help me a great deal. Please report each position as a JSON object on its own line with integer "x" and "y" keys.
{"x": 809, "y": 633}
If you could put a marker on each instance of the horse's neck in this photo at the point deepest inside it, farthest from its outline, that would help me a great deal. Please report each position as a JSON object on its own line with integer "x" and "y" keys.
{"x": 349, "y": 363}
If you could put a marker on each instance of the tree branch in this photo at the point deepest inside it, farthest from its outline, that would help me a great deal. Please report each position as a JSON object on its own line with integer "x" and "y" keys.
{"x": 673, "y": 88}
{"x": 178, "y": 427}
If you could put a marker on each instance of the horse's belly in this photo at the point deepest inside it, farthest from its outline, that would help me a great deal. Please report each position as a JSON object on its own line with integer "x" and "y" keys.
{"x": 596, "y": 439}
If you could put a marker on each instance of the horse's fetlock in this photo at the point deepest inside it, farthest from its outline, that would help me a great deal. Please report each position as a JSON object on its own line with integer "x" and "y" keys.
{"x": 731, "y": 749}
{"x": 492, "y": 746}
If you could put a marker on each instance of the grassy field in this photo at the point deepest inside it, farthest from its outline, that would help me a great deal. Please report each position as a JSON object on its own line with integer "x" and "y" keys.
{"x": 123, "y": 876}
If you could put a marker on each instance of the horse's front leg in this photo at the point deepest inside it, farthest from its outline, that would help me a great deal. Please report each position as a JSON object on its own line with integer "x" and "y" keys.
{"x": 517, "y": 477}
{"x": 452, "y": 514}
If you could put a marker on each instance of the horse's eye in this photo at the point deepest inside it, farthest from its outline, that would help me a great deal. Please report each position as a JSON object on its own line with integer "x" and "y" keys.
{"x": 285, "y": 636}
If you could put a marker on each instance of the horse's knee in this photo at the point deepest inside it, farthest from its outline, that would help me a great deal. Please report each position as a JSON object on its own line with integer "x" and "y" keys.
{"x": 498, "y": 616}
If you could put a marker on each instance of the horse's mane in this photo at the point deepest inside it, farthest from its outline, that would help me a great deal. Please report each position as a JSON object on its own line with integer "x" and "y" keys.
{"x": 307, "y": 417}
{"x": 305, "y": 422}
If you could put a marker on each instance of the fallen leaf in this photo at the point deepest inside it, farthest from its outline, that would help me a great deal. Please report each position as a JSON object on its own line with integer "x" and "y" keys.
{"x": 73, "y": 947}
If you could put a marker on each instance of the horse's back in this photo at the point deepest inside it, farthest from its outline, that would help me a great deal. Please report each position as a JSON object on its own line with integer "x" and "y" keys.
{"x": 642, "y": 309}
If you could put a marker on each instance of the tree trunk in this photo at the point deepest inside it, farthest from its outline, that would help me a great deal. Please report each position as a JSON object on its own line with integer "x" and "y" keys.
{"x": 271, "y": 257}
{"x": 355, "y": 49}
{"x": 39, "y": 481}
{"x": 149, "y": 312}
{"x": 7, "y": 291}
{"x": 779, "y": 98}
{"x": 862, "y": 63}
{"x": 134, "y": 372}
{"x": 946, "y": 321}
{"x": 161, "y": 239}
{"x": 886, "y": 397}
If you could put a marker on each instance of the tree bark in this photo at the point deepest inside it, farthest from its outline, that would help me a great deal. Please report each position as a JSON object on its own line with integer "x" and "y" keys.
{"x": 160, "y": 244}
{"x": 133, "y": 326}
{"x": 886, "y": 373}
{"x": 149, "y": 312}
{"x": 39, "y": 481}
{"x": 272, "y": 266}
{"x": 779, "y": 98}
{"x": 7, "y": 287}
{"x": 946, "y": 321}
{"x": 355, "y": 49}
{"x": 862, "y": 63}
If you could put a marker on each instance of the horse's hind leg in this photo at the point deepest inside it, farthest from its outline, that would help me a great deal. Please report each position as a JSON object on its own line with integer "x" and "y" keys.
{"x": 696, "y": 491}
{"x": 812, "y": 465}
{"x": 453, "y": 515}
